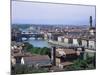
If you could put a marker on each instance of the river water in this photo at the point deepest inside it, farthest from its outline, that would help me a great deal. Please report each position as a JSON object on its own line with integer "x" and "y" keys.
{"x": 38, "y": 43}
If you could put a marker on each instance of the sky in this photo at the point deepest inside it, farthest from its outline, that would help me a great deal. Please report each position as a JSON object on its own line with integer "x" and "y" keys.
{"x": 47, "y": 13}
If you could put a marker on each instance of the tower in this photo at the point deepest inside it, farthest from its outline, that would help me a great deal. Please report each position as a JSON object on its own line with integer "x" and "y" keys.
{"x": 91, "y": 28}
{"x": 53, "y": 55}
{"x": 90, "y": 21}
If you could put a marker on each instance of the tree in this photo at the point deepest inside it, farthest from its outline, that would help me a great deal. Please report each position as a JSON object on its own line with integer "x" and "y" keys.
{"x": 80, "y": 64}
{"x": 28, "y": 46}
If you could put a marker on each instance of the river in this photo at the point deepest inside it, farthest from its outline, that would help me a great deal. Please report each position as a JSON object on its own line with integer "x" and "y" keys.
{"x": 38, "y": 43}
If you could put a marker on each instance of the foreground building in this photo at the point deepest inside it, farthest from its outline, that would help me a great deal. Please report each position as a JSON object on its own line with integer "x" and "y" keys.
{"x": 65, "y": 57}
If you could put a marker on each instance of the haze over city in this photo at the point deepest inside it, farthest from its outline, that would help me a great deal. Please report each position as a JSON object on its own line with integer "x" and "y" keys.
{"x": 45, "y": 13}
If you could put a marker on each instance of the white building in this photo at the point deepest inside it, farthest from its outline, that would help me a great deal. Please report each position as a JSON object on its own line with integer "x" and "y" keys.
{"x": 66, "y": 40}
{"x": 22, "y": 61}
{"x": 49, "y": 36}
{"x": 45, "y": 36}
{"x": 84, "y": 42}
{"x": 60, "y": 39}
{"x": 92, "y": 44}
{"x": 13, "y": 60}
{"x": 92, "y": 31}
{"x": 75, "y": 41}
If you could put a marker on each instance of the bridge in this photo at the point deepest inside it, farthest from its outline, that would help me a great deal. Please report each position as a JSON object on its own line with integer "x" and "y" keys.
{"x": 31, "y": 32}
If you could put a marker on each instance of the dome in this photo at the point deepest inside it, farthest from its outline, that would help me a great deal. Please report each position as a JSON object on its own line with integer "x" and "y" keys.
{"x": 31, "y": 28}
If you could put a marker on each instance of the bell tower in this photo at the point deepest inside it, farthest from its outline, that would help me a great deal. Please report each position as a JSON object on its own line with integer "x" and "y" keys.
{"x": 53, "y": 55}
{"x": 90, "y": 21}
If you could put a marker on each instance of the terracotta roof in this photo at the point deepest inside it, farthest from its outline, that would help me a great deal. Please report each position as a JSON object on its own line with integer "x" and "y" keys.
{"x": 69, "y": 51}
{"x": 36, "y": 58}
{"x": 72, "y": 36}
{"x": 18, "y": 54}
{"x": 16, "y": 43}
{"x": 61, "y": 52}
{"x": 15, "y": 51}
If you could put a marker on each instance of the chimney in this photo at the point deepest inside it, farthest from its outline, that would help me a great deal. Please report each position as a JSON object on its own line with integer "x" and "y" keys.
{"x": 53, "y": 55}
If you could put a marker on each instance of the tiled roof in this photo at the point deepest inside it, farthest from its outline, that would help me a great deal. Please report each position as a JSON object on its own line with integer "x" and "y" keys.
{"x": 61, "y": 52}
{"x": 72, "y": 36}
{"x": 18, "y": 54}
{"x": 16, "y": 43}
{"x": 38, "y": 59}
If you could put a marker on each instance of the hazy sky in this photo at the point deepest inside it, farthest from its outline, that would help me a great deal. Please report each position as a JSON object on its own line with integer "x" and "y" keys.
{"x": 44, "y": 13}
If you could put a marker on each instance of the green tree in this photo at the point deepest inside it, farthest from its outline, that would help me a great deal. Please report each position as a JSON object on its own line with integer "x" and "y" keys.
{"x": 80, "y": 64}
{"x": 28, "y": 46}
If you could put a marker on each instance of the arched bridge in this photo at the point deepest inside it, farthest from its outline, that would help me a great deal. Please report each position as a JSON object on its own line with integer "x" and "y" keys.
{"x": 32, "y": 34}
